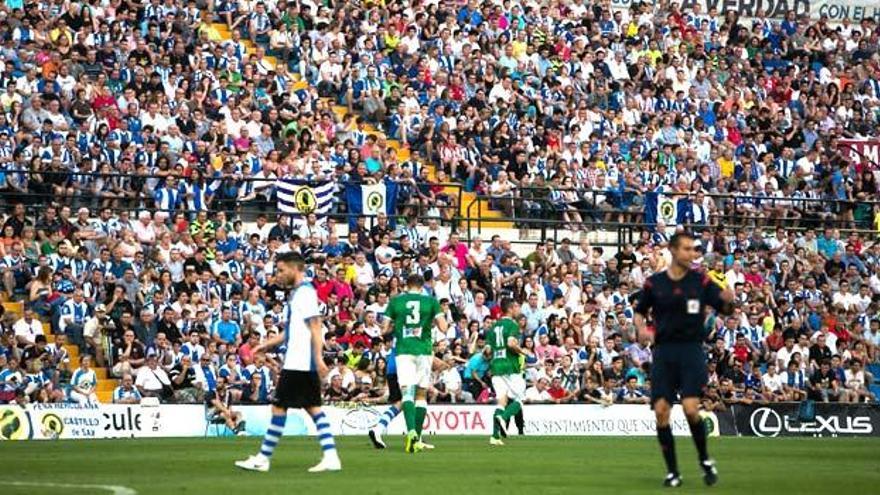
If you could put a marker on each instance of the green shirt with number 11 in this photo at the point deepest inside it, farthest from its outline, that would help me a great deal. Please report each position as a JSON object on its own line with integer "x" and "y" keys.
{"x": 413, "y": 316}
{"x": 504, "y": 361}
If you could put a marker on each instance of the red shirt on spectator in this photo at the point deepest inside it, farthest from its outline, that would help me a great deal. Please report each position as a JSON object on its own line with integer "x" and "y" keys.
{"x": 741, "y": 353}
{"x": 103, "y": 101}
{"x": 556, "y": 392}
{"x": 246, "y": 353}
{"x": 843, "y": 335}
{"x": 734, "y": 136}
{"x": 775, "y": 341}
{"x": 495, "y": 312}
{"x": 324, "y": 289}
{"x": 754, "y": 278}
{"x": 350, "y": 339}
{"x": 344, "y": 315}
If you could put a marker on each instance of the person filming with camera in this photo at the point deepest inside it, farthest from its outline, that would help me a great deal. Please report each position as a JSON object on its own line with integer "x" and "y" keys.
{"x": 95, "y": 332}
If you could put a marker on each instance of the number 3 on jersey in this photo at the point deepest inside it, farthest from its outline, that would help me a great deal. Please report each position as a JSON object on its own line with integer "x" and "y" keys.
{"x": 413, "y": 327}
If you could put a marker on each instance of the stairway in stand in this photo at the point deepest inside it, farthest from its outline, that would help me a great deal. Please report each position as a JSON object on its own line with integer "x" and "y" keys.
{"x": 106, "y": 385}
{"x": 482, "y": 214}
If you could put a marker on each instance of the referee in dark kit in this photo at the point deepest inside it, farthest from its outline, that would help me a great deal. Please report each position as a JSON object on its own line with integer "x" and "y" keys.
{"x": 676, "y": 299}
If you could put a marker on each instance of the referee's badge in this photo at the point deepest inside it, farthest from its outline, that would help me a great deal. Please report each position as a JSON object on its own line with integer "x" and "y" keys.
{"x": 693, "y": 306}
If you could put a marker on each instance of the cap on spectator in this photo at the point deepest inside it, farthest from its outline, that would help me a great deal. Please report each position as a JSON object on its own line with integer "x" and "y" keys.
{"x": 100, "y": 308}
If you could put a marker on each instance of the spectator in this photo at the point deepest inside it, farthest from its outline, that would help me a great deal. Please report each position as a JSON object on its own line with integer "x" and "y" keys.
{"x": 184, "y": 381}
{"x": 539, "y": 393}
{"x": 630, "y": 394}
{"x": 84, "y": 382}
{"x": 152, "y": 381}
{"x": 449, "y": 386}
{"x": 219, "y": 404}
{"x": 129, "y": 356}
{"x": 824, "y": 386}
{"x": 126, "y": 393}
{"x": 475, "y": 380}
{"x": 27, "y": 328}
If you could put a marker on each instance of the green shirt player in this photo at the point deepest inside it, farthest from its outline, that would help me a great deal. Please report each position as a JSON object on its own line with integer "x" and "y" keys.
{"x": 413, "y": 316}
{"x": 506, "y": 367}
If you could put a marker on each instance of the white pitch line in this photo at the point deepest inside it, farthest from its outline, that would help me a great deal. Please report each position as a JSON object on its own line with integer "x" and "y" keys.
{"x": 114, "y": 489}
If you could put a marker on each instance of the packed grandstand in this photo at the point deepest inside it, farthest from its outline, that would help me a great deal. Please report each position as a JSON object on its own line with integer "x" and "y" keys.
{"x": 155, "y": 157}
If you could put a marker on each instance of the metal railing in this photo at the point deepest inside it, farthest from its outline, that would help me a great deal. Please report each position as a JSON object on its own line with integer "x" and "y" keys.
{"x": 531, "y": 208}
{"x": 41, "y": 193}
{"x": 819, "y": 213}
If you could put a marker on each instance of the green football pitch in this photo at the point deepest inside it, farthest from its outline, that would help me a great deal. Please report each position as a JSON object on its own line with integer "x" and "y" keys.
{"x": 536, "y": 465}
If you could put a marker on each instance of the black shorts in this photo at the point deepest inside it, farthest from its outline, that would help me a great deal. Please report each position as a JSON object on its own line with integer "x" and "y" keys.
{"x": 298, "y": 389}
{"x": 679, "y": 369}
{"x": 394, "y": 394}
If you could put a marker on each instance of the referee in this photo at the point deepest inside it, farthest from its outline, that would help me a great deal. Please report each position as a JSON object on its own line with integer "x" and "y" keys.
{"x": 677, "y": 298}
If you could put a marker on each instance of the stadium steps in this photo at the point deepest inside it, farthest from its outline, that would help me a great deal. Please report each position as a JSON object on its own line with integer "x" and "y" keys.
{"x": 105, "y": 383}
{"x": 226, "y": 34}
{"x": 487, "y": 216}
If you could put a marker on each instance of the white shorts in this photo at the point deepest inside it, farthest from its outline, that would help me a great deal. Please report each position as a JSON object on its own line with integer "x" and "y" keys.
{"x": 414, "y": 370}
{"x": 511, "y": 386}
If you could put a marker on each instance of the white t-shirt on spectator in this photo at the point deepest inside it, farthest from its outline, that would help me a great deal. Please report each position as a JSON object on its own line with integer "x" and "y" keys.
{"x": 472, "y": 312}
{"x": 854, "y": 381}
{"x": 772, "y": 383}
{"x": 452, "y": 379}
{"x": 533, "y": 395}
{"x": 347, "y": 376}
{"x": 385, "y": 252}
{"x": 144, "y": 233}
{"x": 846, "y": 300}
{"x": 363, "y": 274}
{"x": 783, "y": 356}
{"x": 28, "y": 330}
{"x": 152, "y": 380}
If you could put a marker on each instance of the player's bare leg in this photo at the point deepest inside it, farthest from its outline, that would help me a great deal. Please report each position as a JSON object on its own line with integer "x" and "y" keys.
{"x": 662, "y": 410}
{"x": 691, "y": 406}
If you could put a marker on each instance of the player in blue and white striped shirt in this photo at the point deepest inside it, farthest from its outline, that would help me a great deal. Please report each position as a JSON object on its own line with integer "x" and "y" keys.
{"x": 304, "y": 368}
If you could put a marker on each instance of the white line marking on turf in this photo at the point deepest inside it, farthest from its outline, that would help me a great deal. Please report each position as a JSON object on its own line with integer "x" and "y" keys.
{"x": 114, "y": 489}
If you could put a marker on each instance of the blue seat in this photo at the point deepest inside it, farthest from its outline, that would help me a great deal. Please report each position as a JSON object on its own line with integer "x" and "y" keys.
{"x": 874, "y": 369}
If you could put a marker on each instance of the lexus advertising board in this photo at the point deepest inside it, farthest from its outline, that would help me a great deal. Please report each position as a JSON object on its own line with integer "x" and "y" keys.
{"x": 832, "y": 420}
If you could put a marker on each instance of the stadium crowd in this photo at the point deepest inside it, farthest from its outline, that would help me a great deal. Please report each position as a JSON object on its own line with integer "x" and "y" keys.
{"x": 135, "y": 138}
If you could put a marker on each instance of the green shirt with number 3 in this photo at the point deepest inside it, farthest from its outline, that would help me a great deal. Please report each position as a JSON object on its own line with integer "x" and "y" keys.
{"x": 413, "y": 319}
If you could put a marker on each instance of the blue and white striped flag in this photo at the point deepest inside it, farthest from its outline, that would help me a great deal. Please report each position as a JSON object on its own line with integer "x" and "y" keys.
{"x": 301, "y": 197}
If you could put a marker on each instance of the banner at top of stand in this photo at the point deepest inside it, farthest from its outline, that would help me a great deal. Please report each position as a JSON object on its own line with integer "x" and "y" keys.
{"x": 835, "y": 11}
